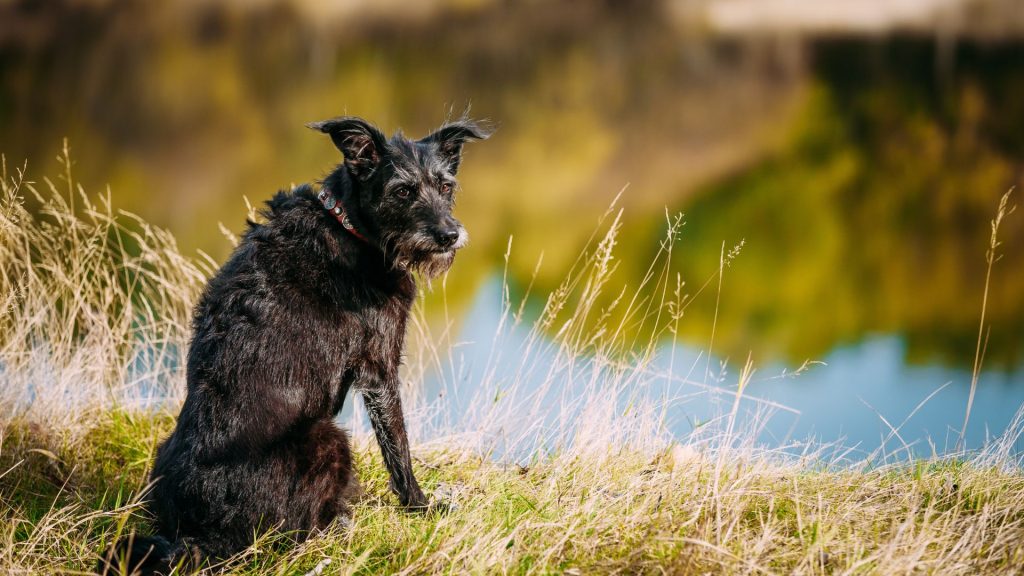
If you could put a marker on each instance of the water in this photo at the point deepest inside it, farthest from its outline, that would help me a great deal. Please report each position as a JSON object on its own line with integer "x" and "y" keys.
{"x": 865, "y": 401}
{"x": 865, "y": 388}
{"x": 859, "y": 174}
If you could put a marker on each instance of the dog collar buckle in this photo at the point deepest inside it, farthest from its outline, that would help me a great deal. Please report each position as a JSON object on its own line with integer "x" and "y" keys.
{"x": 333, "y": 205}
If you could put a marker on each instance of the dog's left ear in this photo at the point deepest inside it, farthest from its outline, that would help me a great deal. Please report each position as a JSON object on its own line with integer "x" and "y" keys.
{"x": 360, "y": 142}
{"x": 450, "y": 138}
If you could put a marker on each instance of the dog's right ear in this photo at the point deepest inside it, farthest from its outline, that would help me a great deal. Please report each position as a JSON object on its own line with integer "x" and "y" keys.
{"x": 359, "y": 141}
{"x": 450, "y": 138}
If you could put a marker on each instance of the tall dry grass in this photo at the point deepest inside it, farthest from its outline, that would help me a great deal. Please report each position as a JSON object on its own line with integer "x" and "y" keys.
{"x": 94, "y": 301}
{"x": 559, "y": 459}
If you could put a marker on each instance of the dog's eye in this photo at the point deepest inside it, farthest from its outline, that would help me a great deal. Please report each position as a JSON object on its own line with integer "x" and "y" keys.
{"x": 403, "y": 192}
{"x": 446, "y": 188}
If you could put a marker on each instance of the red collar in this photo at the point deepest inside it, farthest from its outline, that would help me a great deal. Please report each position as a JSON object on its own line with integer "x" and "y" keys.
{"x": 333, "y": 205}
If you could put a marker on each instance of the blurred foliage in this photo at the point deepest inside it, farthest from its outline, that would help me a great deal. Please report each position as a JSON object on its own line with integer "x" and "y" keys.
{"x": 874, "y": 217}
{"x": 862, "y": 174}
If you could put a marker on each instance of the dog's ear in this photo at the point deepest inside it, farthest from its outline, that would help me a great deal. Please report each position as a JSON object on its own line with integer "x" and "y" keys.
{"x": 360, "y": 142}
{"x": 450, "y": 138}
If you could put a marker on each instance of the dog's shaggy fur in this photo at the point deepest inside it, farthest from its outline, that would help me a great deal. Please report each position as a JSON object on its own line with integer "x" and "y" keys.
{"x": 302, "y": 311}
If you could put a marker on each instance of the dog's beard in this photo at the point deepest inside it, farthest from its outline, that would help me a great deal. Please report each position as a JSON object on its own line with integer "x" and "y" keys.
{"x": 419, "y": 253}
{"x": 433, "y": 264}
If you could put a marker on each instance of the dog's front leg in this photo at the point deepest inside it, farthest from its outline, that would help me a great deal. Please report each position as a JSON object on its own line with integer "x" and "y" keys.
{"x": 385, "y": 408}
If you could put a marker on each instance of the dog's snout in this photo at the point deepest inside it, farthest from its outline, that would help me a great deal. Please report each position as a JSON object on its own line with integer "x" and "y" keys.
{"x": 446, "y": 236}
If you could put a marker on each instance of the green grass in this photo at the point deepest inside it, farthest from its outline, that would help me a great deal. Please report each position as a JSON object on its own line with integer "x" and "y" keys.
{"x": 63, "y": 500}
{"x": 95, "y": 307}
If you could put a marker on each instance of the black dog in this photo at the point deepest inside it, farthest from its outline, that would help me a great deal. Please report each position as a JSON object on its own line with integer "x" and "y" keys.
{"x": 311, "y": 303}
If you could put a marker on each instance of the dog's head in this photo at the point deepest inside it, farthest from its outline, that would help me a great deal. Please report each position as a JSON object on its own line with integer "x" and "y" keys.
{"x": 403, "y": 191}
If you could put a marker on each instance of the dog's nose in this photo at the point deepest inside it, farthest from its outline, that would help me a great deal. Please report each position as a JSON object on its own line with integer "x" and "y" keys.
{"x": 446, "y": 236}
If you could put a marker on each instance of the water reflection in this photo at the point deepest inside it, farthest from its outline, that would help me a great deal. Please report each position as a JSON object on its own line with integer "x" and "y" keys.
{"x": 861, "y": 173}
{"x": 865, "y": 400}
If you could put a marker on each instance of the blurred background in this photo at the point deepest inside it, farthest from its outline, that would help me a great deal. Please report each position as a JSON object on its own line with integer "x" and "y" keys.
{"x": 857, "y": 149}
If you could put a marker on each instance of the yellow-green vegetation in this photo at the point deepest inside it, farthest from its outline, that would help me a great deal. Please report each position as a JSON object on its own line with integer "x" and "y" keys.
{"x": 862, "y": 172}
{"x": 680, "y": 511}
{"x": 95, "y": 307}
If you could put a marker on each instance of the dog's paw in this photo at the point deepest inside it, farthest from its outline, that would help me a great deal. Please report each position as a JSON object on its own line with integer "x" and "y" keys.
{"x": 414, "y": 501}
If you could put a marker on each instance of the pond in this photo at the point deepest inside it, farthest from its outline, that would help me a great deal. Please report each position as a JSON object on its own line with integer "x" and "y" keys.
{"x": 850, "y": 181}
{"x": 862, "y": 401}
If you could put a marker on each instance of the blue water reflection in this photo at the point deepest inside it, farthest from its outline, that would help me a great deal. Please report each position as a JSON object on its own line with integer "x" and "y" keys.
{"x": 852, "y": 401}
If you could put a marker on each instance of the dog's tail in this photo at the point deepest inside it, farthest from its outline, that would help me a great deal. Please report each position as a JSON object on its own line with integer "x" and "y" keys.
{"x": 139, "y": 555}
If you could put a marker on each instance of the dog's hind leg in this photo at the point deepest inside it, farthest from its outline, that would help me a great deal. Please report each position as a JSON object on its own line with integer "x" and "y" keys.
{"x": 296, "y": 486}
{"x": 327, "y": 485}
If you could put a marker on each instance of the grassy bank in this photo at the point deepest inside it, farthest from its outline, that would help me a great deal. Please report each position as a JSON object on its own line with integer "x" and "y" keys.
{"x": 680, "y": 512}
{"x": 541, "y": 478}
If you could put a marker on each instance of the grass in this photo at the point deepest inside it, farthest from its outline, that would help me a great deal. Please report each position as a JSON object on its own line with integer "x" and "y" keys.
{"x": 574, "y": 475}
